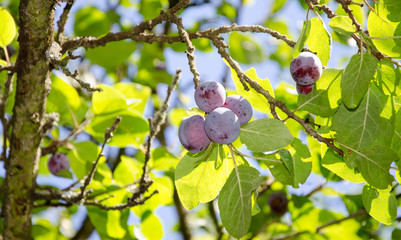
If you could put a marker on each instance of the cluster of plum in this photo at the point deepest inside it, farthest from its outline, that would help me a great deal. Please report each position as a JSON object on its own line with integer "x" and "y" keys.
{"x": 225, "y": 116}
{"x": 306, "y": 69}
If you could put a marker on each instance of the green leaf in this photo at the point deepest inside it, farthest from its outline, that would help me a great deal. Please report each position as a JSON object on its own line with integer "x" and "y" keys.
{"x": 8, "y": 29}
{"x": 112, "y": 224}
{"x": 149, "y": 71}
{"x": 162, "y": 159}
{"x": 388, "y": 32}
{"x": 151, "y": 8}
{"x": 265, "y": 134}
{"x": 324, "y": 98}
{"x": 334, "y": 163}
{"x": 220, "y": 155}
{"x": 108, "y": 101}
{"x": 380, "y": 204}
{"x": 258, "y": 101}
{"x": 111, "y": 55}
{"x": 43, "y": 230}
{"x": 357, "y": 11}
{"x": 319, "y": 40}
{"x": 235, "y": 200}
{"x": 389, "y": 77}
{"x": 197, "y": 180}
{"x": 277, "y": 5}
{"x": 342, "y": 25}
{"x": 245, "y": 49}
{"x": 64, "y": 99}
{"x": 396, "y": 140}
{"x": 394, "y": 8}
{"x": 132, "y": 129}
{"x": 151, "y": 227}
{"x": 64, "y": 173}
{"x": 374, "y": 164}
{"x": 227, "y": 10}
{"x": 127, "y": 171}
{"x": 364, "y": 126}
{"x": 316, "y": 102}
{"x": 356, "y": 78}
{"x": 292, "y": 170}
{"x": 290, "y": 166}
{"x": 303, "y": 37}
{"x": 396, "y": 234}
{"x": 81, "y": 157}
{"x": 90, "y": 21}
{"x": 136, "y": 95}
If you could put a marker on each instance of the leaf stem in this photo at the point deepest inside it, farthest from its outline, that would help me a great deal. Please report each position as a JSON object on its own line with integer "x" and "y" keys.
{"x": 253, "y": 157}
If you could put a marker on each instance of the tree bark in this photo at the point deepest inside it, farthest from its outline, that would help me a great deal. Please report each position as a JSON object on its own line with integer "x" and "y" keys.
{"x": 33, "y": 84}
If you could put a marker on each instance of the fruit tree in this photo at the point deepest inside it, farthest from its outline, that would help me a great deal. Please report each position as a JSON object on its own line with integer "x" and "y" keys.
{"x": 180, "y": 119}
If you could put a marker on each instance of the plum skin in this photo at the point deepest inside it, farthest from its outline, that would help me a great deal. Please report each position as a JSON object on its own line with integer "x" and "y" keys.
{"x": 210, "y": 95}
{"x": 240, "y": 106}
{"x": 278, "y": 203}
{"x": 222, "y": 125}
{"x": 192, "y": 134}
{"x": 304, "y": 89}
{"x": 306, "y": 69}
{"x": 58, "y": 162}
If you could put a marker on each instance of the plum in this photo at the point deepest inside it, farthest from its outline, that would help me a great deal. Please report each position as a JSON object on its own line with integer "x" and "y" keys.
{"x": 306, "y": 69}
{"x": 210, "y": 95}
{"x": 278, "y": 203}
{"x": 240, "y": 106}
{"x": 222, "y": 125}
{"x": 304, "y": 89}
{"x": 192, "y": 134}
{"x": 58, "y": 162}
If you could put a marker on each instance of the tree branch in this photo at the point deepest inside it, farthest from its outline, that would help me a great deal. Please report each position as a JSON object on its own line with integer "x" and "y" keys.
{"x": 91, "y": 42}
{"x": 213, "y": 215}
{"x": 220, "y": 45}
{"x": 63, "y": 20}
{"x": 182, "y": 215}
{"x": 107, "y": 136}
{"x": 154, "y": 125}
{"x": 344, "y": 4}
{"x": 191, "y": 49}
{"x": 7, "y": 68}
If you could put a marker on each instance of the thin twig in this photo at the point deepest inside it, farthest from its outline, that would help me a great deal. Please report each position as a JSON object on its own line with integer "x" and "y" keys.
{"x": 107, "y": 136}
{"x": 344, "y": 4}
{"x": 316, "y": 189}
{"x": 59, "y": 143}
{"x": 120, "y": 206}
{"x": 8, "y": 68}
{"x": 63, "y": 20}
{"x": 213, "y": 215}
{"x": 91, "y": 42}
{"x": 190, "y": 48}
{"x": 155, "y": 124}
{"x": 83, "y": 84}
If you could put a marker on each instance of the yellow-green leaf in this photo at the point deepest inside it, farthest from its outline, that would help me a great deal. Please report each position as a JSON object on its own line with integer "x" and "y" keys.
{"x": 8, "y": 30}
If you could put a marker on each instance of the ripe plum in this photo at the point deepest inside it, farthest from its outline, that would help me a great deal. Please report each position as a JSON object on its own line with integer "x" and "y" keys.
{"x": 210, "y": 95}
{"x": 192, "y": 134}
{"x": 306, "y": 69}
{"x": 240, "y": 106}
{"x": 222, "y": 125}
